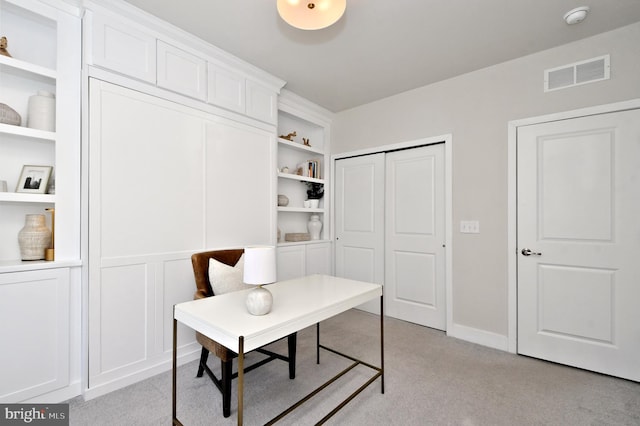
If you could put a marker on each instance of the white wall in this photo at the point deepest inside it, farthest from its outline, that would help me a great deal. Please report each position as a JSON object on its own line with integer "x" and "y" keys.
{"x": 475, "y": 108}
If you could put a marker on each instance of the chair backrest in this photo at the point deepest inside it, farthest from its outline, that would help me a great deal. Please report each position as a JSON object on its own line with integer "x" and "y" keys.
{"x": 200, "y": 262}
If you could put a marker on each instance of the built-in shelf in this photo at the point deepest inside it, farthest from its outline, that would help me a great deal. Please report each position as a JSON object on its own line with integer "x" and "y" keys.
{"x": 23, "y": 66}
{"x": 19, "y": 197}
{"x": 27, "y": 132}
{"x": 300, "y": 178}
{"x": 299, "y": 210}
{"x": 299, "y": 243}
{"x": 17, "y": 265}
{"x": 300, "y": 147}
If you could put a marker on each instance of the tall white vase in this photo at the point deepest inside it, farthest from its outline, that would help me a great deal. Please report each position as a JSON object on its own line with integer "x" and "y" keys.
{"x": 34, "y": 238}
{"x": 42, "y": 111}
{"x": 314, "y": 226}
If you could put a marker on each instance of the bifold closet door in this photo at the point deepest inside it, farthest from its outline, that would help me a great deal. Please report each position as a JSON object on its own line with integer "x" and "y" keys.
{"x": 390, "y": 229}
{"x": 415, "y": 235}
{"x": 359, "y": 208}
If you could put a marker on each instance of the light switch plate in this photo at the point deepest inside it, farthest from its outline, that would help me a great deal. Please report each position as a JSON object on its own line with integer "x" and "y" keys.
{"x": 470, "y": 226}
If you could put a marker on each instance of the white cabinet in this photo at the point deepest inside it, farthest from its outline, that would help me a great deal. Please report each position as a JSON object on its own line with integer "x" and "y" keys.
{"x": 37, "y": 302}
{"x": 299, "y": 260}
{"x": 34, "y": 329}
{"x": 122, "y": 47}
{"x": 45, "y": 45}
{"x": 262, "y": 102}
{"x": 318, "y": 259}
{"x": 302, "y": 162}
{"x": 181, "y": 71}
{"x": 226, "y": 88}
{"x": 126, "y": 47}
{"x": 231, "y": 90}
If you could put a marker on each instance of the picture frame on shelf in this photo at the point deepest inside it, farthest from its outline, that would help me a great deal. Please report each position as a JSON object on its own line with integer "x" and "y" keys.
{"x": 34, "y": 179}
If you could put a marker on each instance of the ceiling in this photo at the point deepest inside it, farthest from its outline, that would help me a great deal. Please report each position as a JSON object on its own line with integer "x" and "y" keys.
{"x": 383, "y": 47}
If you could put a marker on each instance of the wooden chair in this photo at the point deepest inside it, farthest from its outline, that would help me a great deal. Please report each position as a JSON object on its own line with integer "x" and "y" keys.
{"x": 200, "y": 263}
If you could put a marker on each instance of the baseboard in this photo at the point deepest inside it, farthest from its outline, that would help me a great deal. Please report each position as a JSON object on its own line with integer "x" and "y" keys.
{"x": 138, "y": 376}
{"x": 481, "y": 337}
{"x": 57, "y": 396}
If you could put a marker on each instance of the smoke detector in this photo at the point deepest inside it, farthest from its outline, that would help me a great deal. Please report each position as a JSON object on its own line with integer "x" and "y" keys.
{"x": 577, "y": 15}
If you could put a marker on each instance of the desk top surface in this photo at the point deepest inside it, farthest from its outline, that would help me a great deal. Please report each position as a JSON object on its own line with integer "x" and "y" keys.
{"x": 297, "y": 303}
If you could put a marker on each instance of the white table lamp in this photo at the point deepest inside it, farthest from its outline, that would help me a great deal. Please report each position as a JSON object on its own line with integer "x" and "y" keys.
{"x": 259, "y": 269}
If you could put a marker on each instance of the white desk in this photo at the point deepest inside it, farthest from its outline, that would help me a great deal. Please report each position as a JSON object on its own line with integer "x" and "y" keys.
{"x": 297, "y": 304}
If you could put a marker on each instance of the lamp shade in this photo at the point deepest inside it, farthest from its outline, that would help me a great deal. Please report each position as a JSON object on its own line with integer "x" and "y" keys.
{"x": 310, "y": 14}
{"x": 259, "y": 265}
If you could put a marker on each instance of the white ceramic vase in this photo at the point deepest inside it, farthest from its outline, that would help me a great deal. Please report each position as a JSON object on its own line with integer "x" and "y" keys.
{"x": 314, "y": 226}
{"x": 34, "y": 238}
{"x": 42, "y": 111}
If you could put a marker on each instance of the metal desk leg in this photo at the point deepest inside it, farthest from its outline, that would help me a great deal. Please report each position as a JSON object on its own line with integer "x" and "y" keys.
{"x": 317, "y": 343}
{"x": 240, "y": 378}
{"x": 174, "y": 381}
{"x": 382, "y": 341}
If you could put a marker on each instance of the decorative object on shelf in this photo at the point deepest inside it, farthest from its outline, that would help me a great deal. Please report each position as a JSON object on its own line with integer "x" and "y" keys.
{"x": 49, "y": 253}
{"x": 315, "y": 190}
{"x": 297, "y": 236}
{"x": 34, "y": 237}
{"x": 3, "y": 47}
{"x": 283, "y": 200}
{"x": 3, "y": 186}
{"x": 305, "y": 142}
{"x": 312, "y": 204}
{"x": 259, "y": 269}
{"x": 309, "y": 14}
{"x": 34, "y": 179}
{"x": 285, "y": 169}
{"x": 289, "y": 136}
{"x": 51, "y": 188}
{"x": 314, "y": 226}
{"x": 42, "y": 111}
{"x": 9, "y": 116}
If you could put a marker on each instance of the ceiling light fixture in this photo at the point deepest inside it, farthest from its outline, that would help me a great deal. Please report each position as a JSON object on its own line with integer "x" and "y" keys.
{"x": 311, "y": 14}
{"x": 577, "y": 15}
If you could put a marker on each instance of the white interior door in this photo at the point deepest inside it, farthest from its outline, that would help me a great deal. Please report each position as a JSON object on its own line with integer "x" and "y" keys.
{"x": 415, "y": 236}
{"x": 359, "y": 227}
{"x": 579, "y": 242}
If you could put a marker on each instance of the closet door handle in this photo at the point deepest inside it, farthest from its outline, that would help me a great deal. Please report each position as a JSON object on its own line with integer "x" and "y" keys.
{"x": 529, "y": 252}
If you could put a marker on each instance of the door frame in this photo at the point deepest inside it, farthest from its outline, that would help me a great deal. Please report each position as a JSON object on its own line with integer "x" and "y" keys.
{"x": 448, "y": 215}
{"x": 512, "y": 205}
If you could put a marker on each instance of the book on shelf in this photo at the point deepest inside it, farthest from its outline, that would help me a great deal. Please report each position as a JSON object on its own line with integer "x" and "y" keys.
{"x": 310, "y": 168}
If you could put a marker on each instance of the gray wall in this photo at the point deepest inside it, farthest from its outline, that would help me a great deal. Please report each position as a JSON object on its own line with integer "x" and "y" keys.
{"x": 475, "y": 108}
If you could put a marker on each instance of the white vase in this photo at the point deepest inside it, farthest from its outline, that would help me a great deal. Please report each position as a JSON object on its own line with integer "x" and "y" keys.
{"x": 34, "y": 238}
{"x": 314, "y": 226}
{"x": 42, "y": 111}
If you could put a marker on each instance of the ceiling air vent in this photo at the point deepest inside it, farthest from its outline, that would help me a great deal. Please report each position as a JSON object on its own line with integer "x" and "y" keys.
{"x": 578, "y": 73}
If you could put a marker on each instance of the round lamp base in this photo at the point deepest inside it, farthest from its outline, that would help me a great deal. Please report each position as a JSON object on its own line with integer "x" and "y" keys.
{"x": 259, "y": 301}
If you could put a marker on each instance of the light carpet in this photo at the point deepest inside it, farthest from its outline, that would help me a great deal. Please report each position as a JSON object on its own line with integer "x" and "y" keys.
{"x": 430, "y": 379}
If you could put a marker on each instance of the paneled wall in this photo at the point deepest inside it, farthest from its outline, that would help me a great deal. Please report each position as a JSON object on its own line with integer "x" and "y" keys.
{"x": 166, "y": 180}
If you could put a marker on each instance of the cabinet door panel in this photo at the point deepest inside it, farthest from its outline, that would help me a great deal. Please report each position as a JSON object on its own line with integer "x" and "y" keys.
{"x": 147, "y": 169}
{"x": 291, "y": 262}
{"x": 121, "y": 47}
{"x": 34, "y": 329}
{"x": 226, "y": 89}
{"x": 240, "y": 195}
{"x": 262, "y": 103}
{"x": 318, "y": 259}
{"x": 181, "y": 72}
